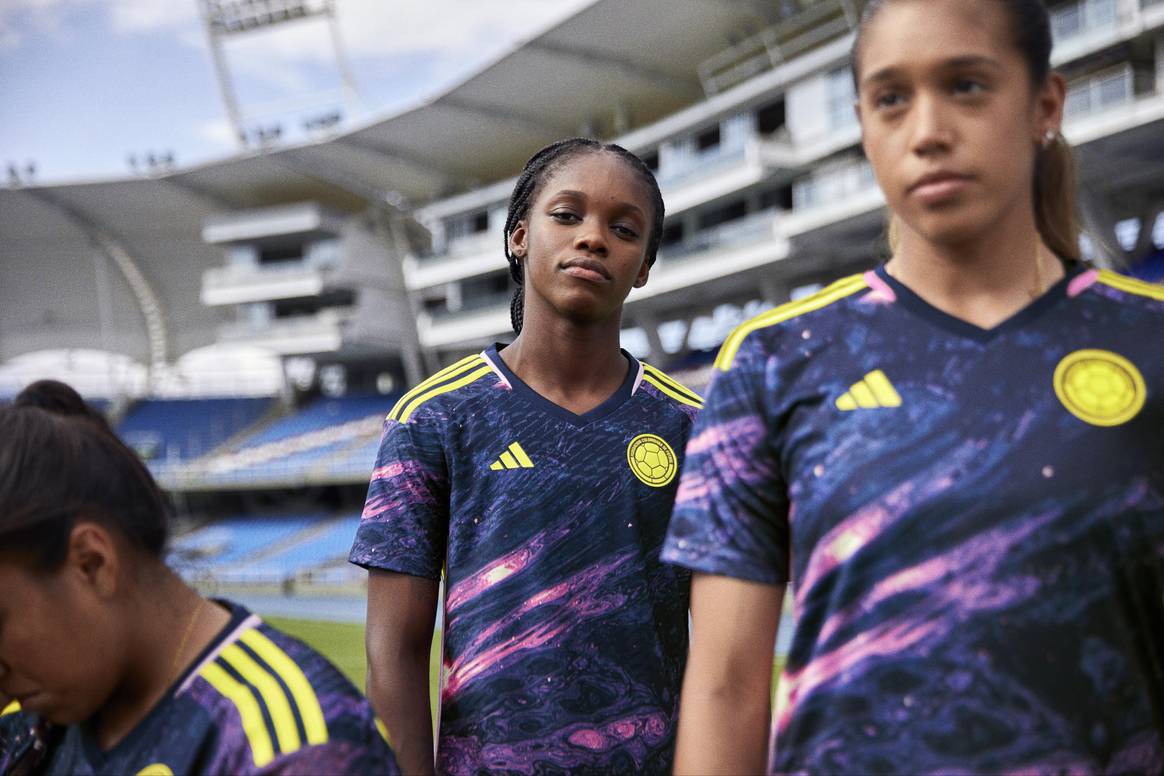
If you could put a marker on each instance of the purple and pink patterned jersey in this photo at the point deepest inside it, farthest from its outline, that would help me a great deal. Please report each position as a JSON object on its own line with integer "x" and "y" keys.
{"x": 564, "y": 635}
{"x": 256, "y": 701}
{"x": 971, "y": 522}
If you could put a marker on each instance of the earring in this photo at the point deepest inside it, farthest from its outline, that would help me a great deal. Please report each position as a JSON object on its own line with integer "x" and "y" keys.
{"x": 1049, "y": 137}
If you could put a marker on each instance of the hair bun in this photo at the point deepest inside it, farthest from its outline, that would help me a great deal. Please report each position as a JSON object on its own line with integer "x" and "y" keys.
{"x": 59, "y": 399}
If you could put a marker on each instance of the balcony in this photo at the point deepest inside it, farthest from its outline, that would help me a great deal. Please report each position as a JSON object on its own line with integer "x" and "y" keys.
{"x": 758, "y": 227}
{"x": 1083, "y": 27}
{"x": 299, "y": 335}
{"x": 466, "y": 257}
{"x": 1099, "y": 92}
{"x": 239, "y": 284}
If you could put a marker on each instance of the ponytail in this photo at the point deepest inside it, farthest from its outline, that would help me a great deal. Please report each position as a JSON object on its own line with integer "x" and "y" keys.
{"x": 1056, "y": 210}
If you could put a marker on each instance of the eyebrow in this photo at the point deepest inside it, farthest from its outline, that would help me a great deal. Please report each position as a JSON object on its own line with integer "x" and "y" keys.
{"x": 970, "y": 60}
{"x": 582, "y": 195}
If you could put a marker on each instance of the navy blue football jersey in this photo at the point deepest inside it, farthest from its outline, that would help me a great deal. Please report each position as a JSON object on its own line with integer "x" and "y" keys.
{"x": 255, "y": 702}
{"x": 565, "y": 636}
{"x": 971, "y": 521}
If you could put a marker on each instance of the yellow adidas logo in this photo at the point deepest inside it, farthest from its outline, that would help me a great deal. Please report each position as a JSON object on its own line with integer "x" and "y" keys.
{"x": 512, "y": 458}
{"x": 873, "y": 391}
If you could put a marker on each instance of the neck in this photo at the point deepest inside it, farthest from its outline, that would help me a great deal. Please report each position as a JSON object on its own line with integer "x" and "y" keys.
{"x": 171, "y": 626}
{"x": 984, "y": 280}
{"x": 577, "y": 366}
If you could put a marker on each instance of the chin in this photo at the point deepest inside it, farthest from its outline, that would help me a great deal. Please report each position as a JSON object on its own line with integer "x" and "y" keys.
{"x": 950, "y": 229}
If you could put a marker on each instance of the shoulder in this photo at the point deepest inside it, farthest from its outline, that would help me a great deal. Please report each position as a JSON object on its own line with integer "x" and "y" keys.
{"x": 1122, "y": 288}
{"x": 756, "y": 333}
{"x": 671, "y": 391}
{"x": 444, "y": 389}
{"x": 17, "y": 736}
{"x": 287, "y": 698}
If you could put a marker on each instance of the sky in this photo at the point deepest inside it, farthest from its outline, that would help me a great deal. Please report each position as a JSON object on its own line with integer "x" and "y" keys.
{"x": 85, "y": 84}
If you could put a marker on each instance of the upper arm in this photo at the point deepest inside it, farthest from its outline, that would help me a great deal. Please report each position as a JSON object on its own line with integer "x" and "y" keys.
{"x": 401, "y": 614}
{"x": 734, "y": 625}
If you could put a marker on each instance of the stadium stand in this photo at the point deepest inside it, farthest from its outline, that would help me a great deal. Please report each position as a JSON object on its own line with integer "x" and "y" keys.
{"x": 171, "y": 430}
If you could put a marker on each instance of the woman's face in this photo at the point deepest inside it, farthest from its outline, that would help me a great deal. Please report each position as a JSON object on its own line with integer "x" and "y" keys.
{"x": 949, "y": 119}
{"x": 59, "y": 653}
{"x": 585, "y": 237}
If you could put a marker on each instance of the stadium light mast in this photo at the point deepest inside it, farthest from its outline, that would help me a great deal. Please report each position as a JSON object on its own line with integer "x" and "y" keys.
{"x": 227, "y": 19}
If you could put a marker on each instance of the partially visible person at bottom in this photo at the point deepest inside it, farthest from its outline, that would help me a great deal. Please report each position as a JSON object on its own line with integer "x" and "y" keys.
{"x": 541, "y": 475}
{"x": 955, "y": 459}
{"x": 109, "y": 663}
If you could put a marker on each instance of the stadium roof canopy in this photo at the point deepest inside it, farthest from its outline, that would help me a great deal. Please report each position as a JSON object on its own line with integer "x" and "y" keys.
{"x": 117, "y": 264}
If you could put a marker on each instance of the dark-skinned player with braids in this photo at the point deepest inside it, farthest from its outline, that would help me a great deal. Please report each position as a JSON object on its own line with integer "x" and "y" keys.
{"x": 539, "y": 476}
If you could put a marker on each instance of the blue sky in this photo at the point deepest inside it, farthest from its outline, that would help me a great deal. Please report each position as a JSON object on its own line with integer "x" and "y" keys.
{"x": 86, "y": 83}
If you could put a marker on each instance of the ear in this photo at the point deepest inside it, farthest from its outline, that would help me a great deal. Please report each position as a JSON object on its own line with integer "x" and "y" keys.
{"x": 93, "y": 559}
{"x": 1049, "y": 104}
{"x": 518, "y": 240}
{"x": 644, "y": 272}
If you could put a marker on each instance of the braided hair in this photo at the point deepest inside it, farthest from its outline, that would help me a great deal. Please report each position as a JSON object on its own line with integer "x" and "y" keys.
{"x": 536, "y": 171}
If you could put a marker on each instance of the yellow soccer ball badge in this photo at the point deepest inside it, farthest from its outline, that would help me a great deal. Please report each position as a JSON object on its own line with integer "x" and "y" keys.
{"x": 1100, "y": 387}
{"x": 652, "y": 460}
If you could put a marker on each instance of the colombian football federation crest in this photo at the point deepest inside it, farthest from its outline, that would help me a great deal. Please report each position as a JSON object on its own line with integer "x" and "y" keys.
{"x": 1100, "y": 387}
{"x": 652, "y": 460}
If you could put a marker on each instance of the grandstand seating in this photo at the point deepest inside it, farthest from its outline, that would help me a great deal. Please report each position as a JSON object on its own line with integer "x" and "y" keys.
{"x": 171, "y": 430}
{"x": 320, "y": 415}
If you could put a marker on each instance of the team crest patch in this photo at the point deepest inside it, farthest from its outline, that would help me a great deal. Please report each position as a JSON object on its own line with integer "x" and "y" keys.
{"x": 1100, "y": 387}
{"x": 652, "y": 460}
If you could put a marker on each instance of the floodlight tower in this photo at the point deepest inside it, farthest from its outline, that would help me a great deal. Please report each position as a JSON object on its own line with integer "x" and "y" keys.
{"x": 227, "y": 19}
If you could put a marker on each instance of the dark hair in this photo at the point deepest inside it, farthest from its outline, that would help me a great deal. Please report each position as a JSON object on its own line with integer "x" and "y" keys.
{"x": 1056, "y": 212}
{"x": 59, "y": 462}
{"x": 537, "y": 170}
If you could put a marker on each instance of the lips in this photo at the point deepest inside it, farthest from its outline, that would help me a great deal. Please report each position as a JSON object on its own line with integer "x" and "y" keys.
{"x": 587, "y": 269}
{"x": 937, "y": 180}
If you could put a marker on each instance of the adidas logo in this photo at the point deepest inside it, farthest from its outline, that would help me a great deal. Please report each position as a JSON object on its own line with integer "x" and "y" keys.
{"x": 512, "y": 458}
{"x": 873, "y": 391}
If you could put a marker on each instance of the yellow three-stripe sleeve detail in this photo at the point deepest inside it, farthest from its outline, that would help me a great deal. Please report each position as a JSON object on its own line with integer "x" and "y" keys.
{"x": 461, "y": 383}
{"x": 671, "y": 392}
{"x": 277, "y": 705}
{"x": 305, "y": 700}
{"x": 826, "y": 296}
{"x": 424, "y": 385}
{"x": 663, "y": 377}
{"x": 520, "y": 455}
{"x": 1131, "y": 285}
{"x": 262, "y": 751}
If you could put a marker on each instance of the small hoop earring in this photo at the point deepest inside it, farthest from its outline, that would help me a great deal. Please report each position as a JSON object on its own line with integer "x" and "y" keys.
{"x": 1049, "y": 137}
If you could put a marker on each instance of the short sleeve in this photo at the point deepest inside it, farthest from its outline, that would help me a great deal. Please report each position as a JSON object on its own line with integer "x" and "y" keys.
{"x": 731, "y": 509}
{"x": 405, "y": 523}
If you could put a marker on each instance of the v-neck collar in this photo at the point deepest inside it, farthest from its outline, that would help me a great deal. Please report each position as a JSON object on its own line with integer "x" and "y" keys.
{"x": 95, "y": 754}
{"x": 616, "y": 400}
{"x": 955, "y": 325}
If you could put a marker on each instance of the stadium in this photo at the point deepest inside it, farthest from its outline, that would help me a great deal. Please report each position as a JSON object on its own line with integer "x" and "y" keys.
{"x": 247, "y": 323}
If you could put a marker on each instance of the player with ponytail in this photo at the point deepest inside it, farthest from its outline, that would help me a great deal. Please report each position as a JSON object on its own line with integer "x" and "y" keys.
{"x": 538, "y": 476}
{"x": 954, "y": 461}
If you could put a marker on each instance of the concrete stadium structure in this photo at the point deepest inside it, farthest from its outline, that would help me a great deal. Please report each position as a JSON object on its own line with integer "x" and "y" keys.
{"x": 377, "y": 251}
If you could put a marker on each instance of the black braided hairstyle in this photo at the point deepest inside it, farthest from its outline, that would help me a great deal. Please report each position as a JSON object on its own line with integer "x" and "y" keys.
{"x": 536, "y": 171}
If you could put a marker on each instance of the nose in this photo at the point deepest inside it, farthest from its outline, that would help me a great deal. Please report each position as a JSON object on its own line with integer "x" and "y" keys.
{"x": 932, "y": 131}
{"x": 591, "y": 238}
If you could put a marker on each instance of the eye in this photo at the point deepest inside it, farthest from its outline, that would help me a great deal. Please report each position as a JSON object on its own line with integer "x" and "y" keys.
{"x": 888, "y": 99}
{"x": 968, "y": 86}
{"x": 626, "y": 231}
{"x": 564, "y": 216}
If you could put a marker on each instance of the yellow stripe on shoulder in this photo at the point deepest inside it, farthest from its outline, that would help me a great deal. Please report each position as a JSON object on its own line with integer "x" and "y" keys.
{"x": 677, "y": 386}
{"x": 292, "y": 675}
{"x": 448, "y": 373}
{"x": 472, "y": 376}
{"x": 664, "y": 388}
{"x": 262, "y": 750}
{"x": 275, "y": 699}
{"x": 11, "y": 708}
{"x": 1131, "y": 285}
{"x": 834, "y": 292}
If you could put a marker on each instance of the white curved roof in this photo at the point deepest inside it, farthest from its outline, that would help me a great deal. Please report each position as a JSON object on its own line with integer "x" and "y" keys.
{"x": 637, "y": 58}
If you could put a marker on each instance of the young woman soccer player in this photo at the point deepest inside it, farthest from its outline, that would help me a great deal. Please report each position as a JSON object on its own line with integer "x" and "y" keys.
{"x": 956, "y": 459}
{"x": 109, "y": 663}
{"x": 540, "y": 475}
